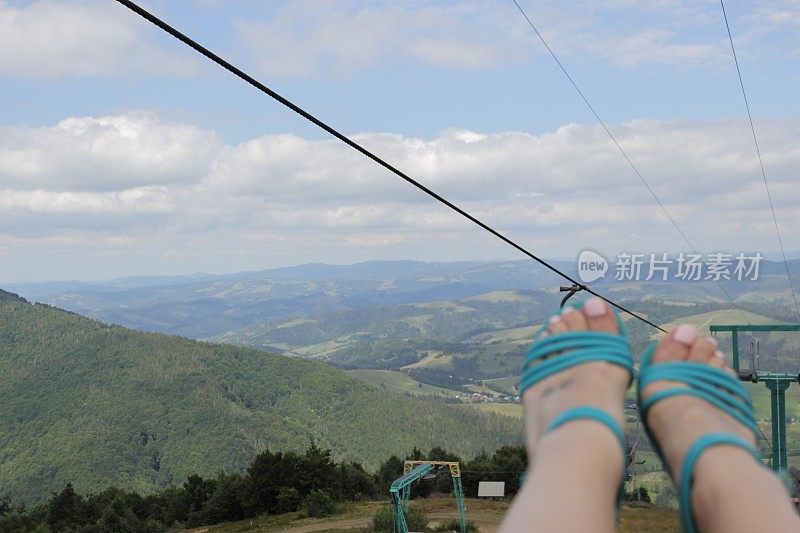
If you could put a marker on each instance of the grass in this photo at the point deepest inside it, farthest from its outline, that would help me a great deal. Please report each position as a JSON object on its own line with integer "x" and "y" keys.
{"x": 648, "y": 518}
{"x": 487, "y": 514}
{"x": 761, "y": 400}
{"x": 506, "y": 335}
{"x": 322, "y": 349}
{"x": 352, "y": 513}
{"x": 433, "y": 359}
{"x": 508, "y": 384}
{"x": 392, "y": 380}
{"x": 446, "y": 305}
{"x": 500, "y": 296}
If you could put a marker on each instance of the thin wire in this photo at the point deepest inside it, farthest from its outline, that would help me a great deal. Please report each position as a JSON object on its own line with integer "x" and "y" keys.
{"x": 619, "y": 147}
{"x": 760, "y": 160}
{"x": 314, "y": 120}
{"x": 764, "y": 437}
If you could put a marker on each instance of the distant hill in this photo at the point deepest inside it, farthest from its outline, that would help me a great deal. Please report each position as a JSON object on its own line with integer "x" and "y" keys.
{"x": 96, "y": 405}
{"x": 390, "y": 337}
{"x": 204, "y": 306}
{"x": 208, "y": 307}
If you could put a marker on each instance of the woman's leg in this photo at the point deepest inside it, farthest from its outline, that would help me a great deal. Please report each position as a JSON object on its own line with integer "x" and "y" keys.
{"x": 731, "y": 491}
{"x": 574, "y": 471}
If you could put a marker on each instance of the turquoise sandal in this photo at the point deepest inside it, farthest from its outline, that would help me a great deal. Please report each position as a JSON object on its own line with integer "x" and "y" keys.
{"x": 712, "y": 385}
{"x": 579, "y": 347}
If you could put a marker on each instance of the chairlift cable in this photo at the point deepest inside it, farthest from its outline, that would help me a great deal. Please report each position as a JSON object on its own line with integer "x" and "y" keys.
{"x": 317, "y": 122}
{"x": 760, "y": 159}
{"x": 621, "y": 150}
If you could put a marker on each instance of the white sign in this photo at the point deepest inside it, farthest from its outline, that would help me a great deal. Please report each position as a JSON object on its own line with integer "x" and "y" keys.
{"x": 491, "y": 489}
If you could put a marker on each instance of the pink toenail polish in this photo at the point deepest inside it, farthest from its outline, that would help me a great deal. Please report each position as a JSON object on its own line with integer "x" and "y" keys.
{"x": 685, "y": 334}
{"x": 567, "y": 310}
{"x": 595, "y": 307}
{"x": 713, "y": 341}
{"x": 719, "y": 354}
{"x": 555, "y": 319}
{"x": 544, "y": 334}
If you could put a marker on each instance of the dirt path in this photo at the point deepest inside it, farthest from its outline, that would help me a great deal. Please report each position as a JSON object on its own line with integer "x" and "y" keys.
{"x": 488, "y": 523}
{"x": 634, "y": 517}
{"x": 353, "y": 523}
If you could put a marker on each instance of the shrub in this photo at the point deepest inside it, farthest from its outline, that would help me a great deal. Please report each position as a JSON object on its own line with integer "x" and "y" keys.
{"x": 638, "y": 494}
{"x": 288, "y": 500}
{"x": 383, "y": 520}
{"x": 319, "y": 503}
{"x": 666, "y": 497}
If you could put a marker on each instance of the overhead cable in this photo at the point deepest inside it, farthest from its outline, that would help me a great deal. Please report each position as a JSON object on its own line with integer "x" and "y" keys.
{"x": 308, "y": 116}
{"x": 760, "y": 160}
{"x": 619, "y": 147}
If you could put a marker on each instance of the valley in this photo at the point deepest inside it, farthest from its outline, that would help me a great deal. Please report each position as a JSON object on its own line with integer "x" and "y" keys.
{"x": 355, "y": 354}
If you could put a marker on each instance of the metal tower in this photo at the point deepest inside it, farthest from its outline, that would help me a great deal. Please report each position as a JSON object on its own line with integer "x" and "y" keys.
{"x": 400, "y": 491}
{"x": 777, "y": 383}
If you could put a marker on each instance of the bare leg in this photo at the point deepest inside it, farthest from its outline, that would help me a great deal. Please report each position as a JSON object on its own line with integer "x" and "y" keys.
{"x": 731, "y": 491}
{"x": 574, "y": 471}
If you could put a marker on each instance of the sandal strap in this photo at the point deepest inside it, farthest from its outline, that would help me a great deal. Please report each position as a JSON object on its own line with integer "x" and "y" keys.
{"x": 577, "y": 348}
{"x": 687, "y": 471}
{"x": 713, "y": 385}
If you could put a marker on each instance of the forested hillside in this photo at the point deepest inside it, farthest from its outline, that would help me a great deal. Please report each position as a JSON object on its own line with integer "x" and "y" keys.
{"x": 99, "y": 405}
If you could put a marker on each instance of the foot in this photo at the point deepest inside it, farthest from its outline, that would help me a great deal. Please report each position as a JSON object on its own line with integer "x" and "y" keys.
{"x": 678, "y": 422}
{"x": 598, "y": 384}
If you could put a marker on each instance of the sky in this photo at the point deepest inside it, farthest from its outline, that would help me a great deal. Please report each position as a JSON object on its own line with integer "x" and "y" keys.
{"x": 123, "y": 152}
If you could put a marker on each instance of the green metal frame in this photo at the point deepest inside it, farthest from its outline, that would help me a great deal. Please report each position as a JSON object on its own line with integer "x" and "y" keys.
{"x": 777, "y": 384}
{"x": 736, "y": 328}
{"x": 400, "y": 491}
{"x": 777, "y": 389}
{"x": 400, "y": 494}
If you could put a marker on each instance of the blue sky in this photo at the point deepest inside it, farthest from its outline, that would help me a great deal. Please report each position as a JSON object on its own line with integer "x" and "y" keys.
{"x": 124, "y": 152}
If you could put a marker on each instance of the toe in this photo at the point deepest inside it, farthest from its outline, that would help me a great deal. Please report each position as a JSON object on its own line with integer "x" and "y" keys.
{"x": 717, "y": 359}
{"x": 574, "y": 319}
{"x": 675, "y": 346}
{"x": 556, "y": 325}
{"x": 702, "y": 350}
{"x": 599, "y": 316}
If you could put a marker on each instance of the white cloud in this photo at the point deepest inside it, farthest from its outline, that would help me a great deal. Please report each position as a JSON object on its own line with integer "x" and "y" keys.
{"x": 319, "y": 38}
{"x": 48, "y": 39}
{"x": 313, "y": 36}
{"x": 104, "y": 154}
{"x": 140, "y": 200}
{"x": 281, "y": 198}
{"x": 652, "y": 47}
